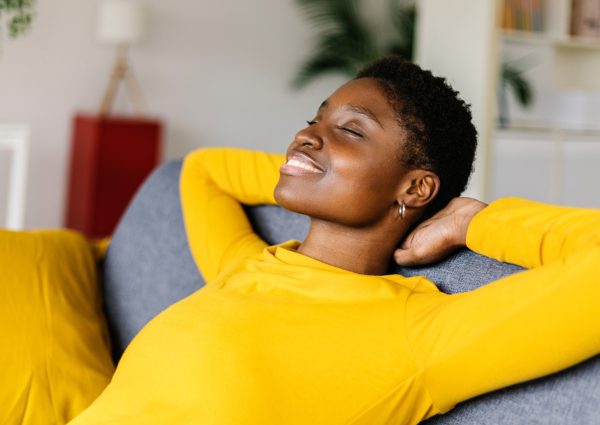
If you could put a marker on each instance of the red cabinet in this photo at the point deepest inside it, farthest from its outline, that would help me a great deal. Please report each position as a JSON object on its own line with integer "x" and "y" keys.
{"x": 110, "y": 157}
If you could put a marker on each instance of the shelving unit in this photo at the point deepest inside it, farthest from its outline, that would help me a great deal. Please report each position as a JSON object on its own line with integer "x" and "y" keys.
{"x": 551, "y": 161}
{"x": 574, "y": 61}
{"x": 462, "y": 40}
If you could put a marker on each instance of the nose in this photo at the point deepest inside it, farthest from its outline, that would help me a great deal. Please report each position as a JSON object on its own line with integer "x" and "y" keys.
{"x": 309, "y": 137}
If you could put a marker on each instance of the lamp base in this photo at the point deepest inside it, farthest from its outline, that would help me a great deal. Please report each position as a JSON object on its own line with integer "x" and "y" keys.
{"x": 122, "y": 71}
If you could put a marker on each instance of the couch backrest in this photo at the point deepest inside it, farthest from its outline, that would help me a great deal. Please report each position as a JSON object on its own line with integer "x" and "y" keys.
{"x": 148, "y": 267}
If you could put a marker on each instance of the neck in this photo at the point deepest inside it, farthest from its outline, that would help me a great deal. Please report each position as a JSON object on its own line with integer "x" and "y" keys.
{"x": 359, "y": 250}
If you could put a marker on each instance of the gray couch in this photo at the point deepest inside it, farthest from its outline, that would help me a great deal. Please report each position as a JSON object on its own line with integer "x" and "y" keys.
{"x": 148, "y": 267}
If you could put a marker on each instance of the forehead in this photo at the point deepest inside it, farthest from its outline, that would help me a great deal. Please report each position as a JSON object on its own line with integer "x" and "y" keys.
{"x": 366, "y": 93}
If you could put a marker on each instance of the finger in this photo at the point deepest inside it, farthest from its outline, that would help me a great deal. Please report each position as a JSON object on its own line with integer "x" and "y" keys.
{"x": 407, "y": 242}
{"x": 405, "y": 257}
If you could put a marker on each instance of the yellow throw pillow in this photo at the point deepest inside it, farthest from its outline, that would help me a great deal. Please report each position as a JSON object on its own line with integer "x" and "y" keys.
{"x": 54, "y": 351}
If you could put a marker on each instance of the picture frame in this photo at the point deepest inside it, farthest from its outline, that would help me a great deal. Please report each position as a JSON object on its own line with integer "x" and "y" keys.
{"x": 15, "y": 138}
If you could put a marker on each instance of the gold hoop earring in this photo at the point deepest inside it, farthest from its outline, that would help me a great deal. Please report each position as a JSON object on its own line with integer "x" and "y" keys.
{"x": 402, "y": 210}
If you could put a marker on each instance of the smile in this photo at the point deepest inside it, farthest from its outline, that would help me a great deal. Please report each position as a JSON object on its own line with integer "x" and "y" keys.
{"x": 298, "y": 164}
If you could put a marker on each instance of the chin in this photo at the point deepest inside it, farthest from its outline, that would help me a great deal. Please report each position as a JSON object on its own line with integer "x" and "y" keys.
{"x": 289, "y": 199}
{"x": 297, "y": 196}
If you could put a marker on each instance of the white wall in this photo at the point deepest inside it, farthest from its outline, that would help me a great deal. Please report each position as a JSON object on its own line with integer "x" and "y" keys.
{"x": 465, "y": 52}
{"x": 216, "y": 72}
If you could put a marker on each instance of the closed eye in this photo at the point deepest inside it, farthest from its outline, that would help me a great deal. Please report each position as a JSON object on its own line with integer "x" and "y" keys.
{"x": 345, "y": 129}
{"x": 349, "y": 130}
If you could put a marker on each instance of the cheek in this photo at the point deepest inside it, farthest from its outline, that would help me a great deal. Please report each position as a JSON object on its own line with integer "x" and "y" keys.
{"x": 368, "y": 177}
{"x": 364, "y": 196}
{"x": 366, "y": 186}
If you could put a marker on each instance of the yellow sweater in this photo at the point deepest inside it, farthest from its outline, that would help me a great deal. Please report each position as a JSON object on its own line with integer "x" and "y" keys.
{"x": 276, "y": 337}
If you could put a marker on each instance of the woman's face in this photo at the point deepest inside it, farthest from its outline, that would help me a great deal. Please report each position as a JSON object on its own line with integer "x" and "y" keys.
{"x": 345, "y": 165}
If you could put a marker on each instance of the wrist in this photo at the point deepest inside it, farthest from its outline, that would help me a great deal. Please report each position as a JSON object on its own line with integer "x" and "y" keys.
{"x": 465, "y": 213}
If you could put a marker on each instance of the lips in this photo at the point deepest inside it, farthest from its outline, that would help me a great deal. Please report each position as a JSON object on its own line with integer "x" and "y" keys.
{"x": 299, "y": 164}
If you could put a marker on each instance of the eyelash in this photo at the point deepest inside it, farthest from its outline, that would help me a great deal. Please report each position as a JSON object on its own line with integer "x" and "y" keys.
{"x": 354, "y": 133}
{"x": 347, "y": 130}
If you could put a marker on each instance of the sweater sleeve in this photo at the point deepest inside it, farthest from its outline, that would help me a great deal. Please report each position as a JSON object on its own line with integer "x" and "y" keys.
{"x": 213, "y": 184}
{"x": 523, "y": 326}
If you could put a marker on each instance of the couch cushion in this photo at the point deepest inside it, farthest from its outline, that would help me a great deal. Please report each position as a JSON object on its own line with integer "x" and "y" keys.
{"x": 148, "y": 265}
{"x": 54, "y": 355}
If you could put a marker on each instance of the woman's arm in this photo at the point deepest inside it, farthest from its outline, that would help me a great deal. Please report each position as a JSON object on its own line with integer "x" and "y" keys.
{"x": 532, "y": 234}
{"x": 520, "y": 327}
{"x": 213, "y": 184}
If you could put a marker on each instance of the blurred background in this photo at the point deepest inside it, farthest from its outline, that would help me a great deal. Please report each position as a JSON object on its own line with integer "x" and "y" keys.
{"x": 250, "y": 73}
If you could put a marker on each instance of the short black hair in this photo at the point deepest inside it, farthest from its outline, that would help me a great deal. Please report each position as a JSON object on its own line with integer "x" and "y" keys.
{"x": 441, "y": 136}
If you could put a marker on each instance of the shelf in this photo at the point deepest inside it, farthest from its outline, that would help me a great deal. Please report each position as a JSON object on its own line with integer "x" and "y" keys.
{"x": 578, "y": 43}
{"x": 525, "y": 37}
{"x": 534, "y": 38}
{"x": 542, "y": 129}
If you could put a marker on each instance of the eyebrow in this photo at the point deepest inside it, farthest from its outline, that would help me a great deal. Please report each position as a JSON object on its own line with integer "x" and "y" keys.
{"x": 357, "y": 109}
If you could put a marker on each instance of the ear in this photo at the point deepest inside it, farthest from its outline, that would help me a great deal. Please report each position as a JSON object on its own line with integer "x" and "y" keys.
{"x": 418, "y": 188}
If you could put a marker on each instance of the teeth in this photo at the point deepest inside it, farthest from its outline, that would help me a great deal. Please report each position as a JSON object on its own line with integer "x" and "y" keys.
{"x": 301, "y": 164}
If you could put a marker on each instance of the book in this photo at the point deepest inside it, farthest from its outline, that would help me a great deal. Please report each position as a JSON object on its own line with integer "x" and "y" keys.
{"x": 522, "y": 15}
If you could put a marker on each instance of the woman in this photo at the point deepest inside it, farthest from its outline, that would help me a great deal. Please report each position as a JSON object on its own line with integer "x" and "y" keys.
{"x": 316, "y": 333}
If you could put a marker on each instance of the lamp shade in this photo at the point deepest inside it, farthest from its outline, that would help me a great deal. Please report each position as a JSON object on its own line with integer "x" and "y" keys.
{"x": 120, "y": 22}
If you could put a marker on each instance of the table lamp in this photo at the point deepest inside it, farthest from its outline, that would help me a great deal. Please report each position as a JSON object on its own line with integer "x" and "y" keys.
{"x": 111, "y": 155}
{"x": 120, "y": 23}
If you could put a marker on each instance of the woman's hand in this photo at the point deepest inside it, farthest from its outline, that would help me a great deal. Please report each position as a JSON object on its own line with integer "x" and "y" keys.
{"x": 440, "y": 235}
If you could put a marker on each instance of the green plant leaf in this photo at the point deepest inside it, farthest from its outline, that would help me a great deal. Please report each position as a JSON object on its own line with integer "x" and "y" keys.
{"x": 19, "y": 15}
{"x": 344, "y": 43}
{"x": 513, "y": 79}
{"x": 404, "y": 21}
